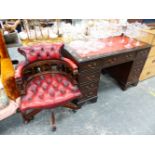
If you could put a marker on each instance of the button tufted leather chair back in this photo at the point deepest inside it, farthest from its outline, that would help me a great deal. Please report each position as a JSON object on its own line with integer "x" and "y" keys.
{"x": 43, "y": 59}
{"x": 41, "y": 52}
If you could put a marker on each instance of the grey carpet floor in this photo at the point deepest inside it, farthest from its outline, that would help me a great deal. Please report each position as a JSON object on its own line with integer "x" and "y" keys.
{"x": 115, "y": 112}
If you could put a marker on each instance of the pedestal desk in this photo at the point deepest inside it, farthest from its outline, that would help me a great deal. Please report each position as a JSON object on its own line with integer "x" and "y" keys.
{"x": 121, "y": 62}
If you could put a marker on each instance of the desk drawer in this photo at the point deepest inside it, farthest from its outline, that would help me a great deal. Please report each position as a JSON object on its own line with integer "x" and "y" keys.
{"x": 90, "y": 66}
{"x": 152, "y": 52}
{"x": 150, "y": 62}
{"x": 89, "y": 90}
{"x": 85, "y": 77}
{"x": 119, "y": 59}
{"x": 147, "y": 73}
{"x": 87, "y": 95}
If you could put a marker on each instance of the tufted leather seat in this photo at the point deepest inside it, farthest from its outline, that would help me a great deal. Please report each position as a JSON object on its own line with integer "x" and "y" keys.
{"x": 48, "y": 91}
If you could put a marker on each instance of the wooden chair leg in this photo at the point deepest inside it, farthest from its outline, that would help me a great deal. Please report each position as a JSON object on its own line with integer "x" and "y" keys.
{"x": 33, "y": 113}
{"x": 25, "y": 118}
{"x": 29, "y": 116}
{"x": 71, "y": 106}
{"x": 53, "y": 121}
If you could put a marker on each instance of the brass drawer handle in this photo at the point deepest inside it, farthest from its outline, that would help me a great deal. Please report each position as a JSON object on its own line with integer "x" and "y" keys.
{"x": 112, "y": 60}
{"x": 89, "y": 94}
{"x": 129, "y": 55}
{"x": 91, "y": 77}
{"x": 92, "y": 65}
{"x": 90, "y": 86}
{"x": 88, "y": 78}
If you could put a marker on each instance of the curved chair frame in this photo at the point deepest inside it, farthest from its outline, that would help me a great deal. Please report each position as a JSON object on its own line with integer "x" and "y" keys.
{"x": 28, "y": 71}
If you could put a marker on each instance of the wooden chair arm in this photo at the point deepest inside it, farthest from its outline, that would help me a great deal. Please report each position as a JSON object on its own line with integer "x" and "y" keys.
{"x": 18, "y": 72}
{"x": 73, "y": 66}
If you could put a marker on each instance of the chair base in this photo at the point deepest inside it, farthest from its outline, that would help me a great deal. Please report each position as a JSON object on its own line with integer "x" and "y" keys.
{"x": 53, "y": 121}
{"x": 27, "y": 117}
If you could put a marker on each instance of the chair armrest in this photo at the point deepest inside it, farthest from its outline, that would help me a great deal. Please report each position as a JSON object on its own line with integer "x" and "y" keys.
{"x": 18, "y": 72}
{"x": 8, "y": 78}
{"x": 19, "y": 77}
{"x": 73, "y": 66}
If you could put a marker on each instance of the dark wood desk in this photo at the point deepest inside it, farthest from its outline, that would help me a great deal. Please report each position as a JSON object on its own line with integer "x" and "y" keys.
{"x": 124, "y": 64}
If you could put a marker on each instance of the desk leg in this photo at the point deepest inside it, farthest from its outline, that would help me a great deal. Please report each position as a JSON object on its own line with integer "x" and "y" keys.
{"x": 89, "y": 101}
{"x": 135, "y": 84}
{"x": 120, "y": 73}
{"x": 94, "y": 100}
{"x": 137, "y": 67}
{"x": 89, "y": 92}
{"x": 124, "y": 87}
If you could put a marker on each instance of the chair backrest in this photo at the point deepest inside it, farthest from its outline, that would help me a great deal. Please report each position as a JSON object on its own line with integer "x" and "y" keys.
{"x": 43, "y": 51}
{"x": 40, "y": 60}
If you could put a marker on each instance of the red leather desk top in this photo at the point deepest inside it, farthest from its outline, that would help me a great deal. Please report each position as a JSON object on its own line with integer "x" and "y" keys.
{"x": 116, "y": 46}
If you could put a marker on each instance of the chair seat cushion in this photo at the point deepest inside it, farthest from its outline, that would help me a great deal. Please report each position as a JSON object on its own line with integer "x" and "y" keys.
{"x": 48, "y": 91}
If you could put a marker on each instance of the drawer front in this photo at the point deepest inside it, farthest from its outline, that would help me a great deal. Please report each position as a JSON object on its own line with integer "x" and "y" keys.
{"x": 142, "y": 54}
{"x": 134, "y": 75}
{"x": 88, "y": 95}
{"x": 137, "y": 66}
{"x": 118, "y": 59}
{"x": 150, "y": 62}
{"x": 90, "y": 66}
{"x": 85, "y": 77}
{"x": 147, "y": 73}
{"x": 152, "y": 52}
{"x": 89, "y": 90}
{"x": 110, "y": 61}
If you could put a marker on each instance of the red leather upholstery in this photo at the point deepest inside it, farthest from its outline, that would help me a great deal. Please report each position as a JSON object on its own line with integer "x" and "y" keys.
{"x": 18, "y": 72}
{"x": 117, "y": 45}
{"x": 70, "y": 63}
{"x": 41, "y": 51}
{"x": 48, "y": 91}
